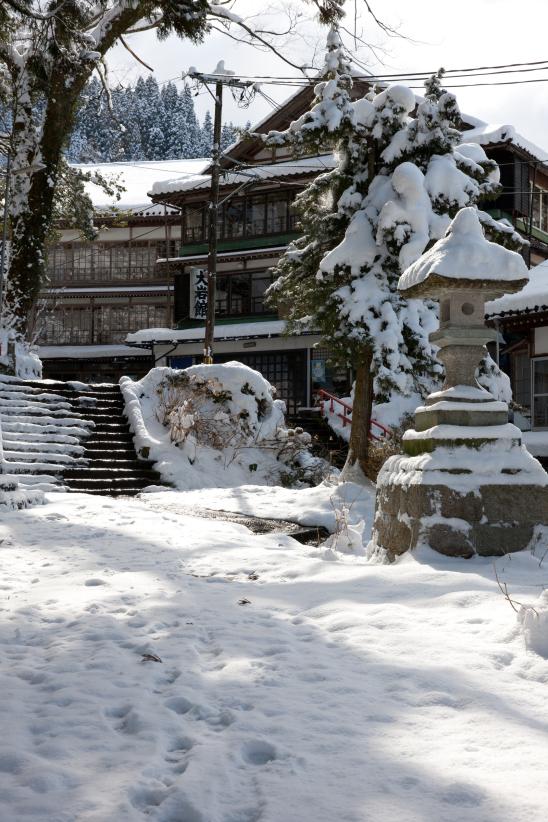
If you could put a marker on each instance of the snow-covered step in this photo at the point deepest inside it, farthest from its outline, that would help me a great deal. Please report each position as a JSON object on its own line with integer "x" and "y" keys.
{"x": 47, "y": 447}
{"x": 33, "y": 401}
{"x": 42, "y": 433}
{"x": 73, "y": 433}
{"x": 72, "y": 437}
{"x": 42, "y": 456}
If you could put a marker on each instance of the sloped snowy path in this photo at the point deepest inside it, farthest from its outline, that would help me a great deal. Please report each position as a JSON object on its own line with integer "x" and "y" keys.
{"x": 341, "y": 692}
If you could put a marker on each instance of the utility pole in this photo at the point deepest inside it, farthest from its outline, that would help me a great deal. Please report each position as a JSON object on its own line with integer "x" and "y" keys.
{"x": 220, "y": 77}
{"x": 4, "y": 232}
{"x": 213, "y": 212}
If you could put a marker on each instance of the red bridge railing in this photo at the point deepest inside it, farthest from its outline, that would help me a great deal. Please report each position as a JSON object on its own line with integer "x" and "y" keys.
{"x": 343, "y": 410}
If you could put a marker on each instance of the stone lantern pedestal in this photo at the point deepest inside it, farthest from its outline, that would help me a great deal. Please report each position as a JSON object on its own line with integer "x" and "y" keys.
{"x": 464, "y": 483}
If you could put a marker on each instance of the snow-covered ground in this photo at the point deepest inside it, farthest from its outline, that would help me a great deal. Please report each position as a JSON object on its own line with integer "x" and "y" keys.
{"x": 290, "y": 687}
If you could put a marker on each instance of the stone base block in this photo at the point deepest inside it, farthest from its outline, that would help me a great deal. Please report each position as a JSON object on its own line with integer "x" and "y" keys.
{"x": 491, "y": 521}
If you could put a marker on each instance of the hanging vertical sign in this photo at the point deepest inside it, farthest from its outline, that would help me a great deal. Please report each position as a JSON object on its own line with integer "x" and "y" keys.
{"x": 198, "y": 293}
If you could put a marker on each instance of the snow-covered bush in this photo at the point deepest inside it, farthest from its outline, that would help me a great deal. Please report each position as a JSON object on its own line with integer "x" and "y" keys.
{"x": 534, "y": 625}
{"x": 195, "y": 403}
{"x": 13, "y": 497}
{"x": 215, "y": 425}
{"x": 18, "y": 358}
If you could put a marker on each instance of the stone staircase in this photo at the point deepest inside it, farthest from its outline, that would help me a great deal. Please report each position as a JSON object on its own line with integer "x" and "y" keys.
{"x": 325, "y": 442}
{"x": 70, "y": 436}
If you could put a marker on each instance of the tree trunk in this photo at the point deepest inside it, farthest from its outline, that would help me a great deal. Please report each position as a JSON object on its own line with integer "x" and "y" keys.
{"x": 32, "y": 201}
{"x": 356, "y": 463}
{"x": 34, "y": 192}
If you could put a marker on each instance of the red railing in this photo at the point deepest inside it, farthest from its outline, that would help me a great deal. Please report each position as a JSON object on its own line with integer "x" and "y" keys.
{"x": 377, "y": 430}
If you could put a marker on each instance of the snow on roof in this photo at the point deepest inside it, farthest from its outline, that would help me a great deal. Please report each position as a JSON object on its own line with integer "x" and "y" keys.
{"x": 489, "y": 134}
{"x": 533, "y": 297}
{"x": 304, "y": 165}
{"x": 222, "y": 332}
{"x": 137, "y": 178}
{"x": 465, "y": 254}
{"x": 53, "y": 352}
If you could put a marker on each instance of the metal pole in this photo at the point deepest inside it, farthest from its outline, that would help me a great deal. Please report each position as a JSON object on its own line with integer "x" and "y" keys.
{"x": 4, "y": 234}
{"x": 213, "y": 212}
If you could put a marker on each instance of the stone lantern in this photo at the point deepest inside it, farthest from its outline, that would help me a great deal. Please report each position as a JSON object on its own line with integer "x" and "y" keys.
{"x": 465, "y": 484}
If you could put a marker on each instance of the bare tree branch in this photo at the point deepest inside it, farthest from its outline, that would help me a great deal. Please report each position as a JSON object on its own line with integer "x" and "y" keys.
{"x": 389, "y": 30}
{"x": 142, "y": 62}
{"x": 254, "y": 36}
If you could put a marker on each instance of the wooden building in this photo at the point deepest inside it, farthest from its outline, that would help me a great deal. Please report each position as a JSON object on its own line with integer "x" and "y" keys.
{"x": 255, "y": 225}
{"x": 131, "y": 298}
{"x": 522, "y": 319}
{"x": 100, "y": 291}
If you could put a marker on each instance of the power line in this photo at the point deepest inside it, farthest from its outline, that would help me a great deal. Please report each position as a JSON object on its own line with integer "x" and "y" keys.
{"x": 401, "y": 74}
{"x": 536, "y": 65}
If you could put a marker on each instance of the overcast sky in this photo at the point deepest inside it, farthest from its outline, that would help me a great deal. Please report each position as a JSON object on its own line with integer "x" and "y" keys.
{"x": 456, "y": 35}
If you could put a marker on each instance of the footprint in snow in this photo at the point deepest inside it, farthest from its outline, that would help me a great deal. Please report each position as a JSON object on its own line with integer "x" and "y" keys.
{"x": 90, "y": 583}
{"x": 178, "y": 754}
{"x": 179, "y": 705}
{"x": 129, "y": 720}
{"x": 258, "y": 752}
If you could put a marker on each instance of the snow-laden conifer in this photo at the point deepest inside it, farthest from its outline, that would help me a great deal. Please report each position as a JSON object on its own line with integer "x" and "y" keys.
{"x": 403, "y": 171}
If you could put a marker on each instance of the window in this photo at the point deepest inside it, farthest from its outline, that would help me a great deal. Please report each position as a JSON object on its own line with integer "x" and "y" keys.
{"x": 276, "y": 220}
{"x": 256, "y": 212}
{"x": 120, "y": 261}
{"x": 143, "y": 259}
{"x": 165, "y": 250}
{"x": 101, "y": 262}
{"x": 83, "y": 261}
{"x": 234, "y": 218}
{"x": 540, "y": 208}
{"x": 239, "y": 294}
{"x": 194, "y": 218}
{"x": 59, "y": 263}
{"x": 253, "y": 216}
{"x": 540, "y": 393}
{"x": 98, "y": 323}
{"x": 221, "y": 296}
{"x": 67, "y": 325}
{"x": 260, "y": 280}
{"x": 521, "y": 378}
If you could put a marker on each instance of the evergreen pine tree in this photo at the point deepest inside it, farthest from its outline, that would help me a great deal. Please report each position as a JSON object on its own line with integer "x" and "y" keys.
{"x": 206, "y": 142}
{"x": 229, "y": 135}
{"x": 146, "y": 123}
{"x": 129, "y": 116}
{"x": 191, "y": 124}
{"x": 398, "y": 182}
{"x": 153, "y": 115}
{"x": 173, "y": 124}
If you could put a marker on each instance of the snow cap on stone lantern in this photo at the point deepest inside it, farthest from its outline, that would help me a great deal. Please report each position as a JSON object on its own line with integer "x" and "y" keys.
{"x": 462, "y": 271}
{"x": 464, "y": 259}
